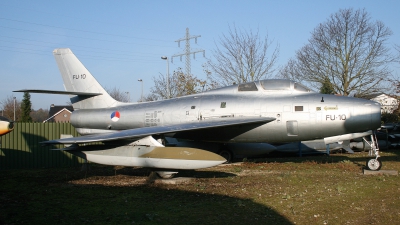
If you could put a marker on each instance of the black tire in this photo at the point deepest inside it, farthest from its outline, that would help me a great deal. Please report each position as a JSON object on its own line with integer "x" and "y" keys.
{"x": 227, "y": 155}
{"x": 374, "y": 164}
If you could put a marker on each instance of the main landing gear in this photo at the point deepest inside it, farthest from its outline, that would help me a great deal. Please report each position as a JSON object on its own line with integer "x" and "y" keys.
{"x": 227, "y": 155}
{"x": 375, "y": 163}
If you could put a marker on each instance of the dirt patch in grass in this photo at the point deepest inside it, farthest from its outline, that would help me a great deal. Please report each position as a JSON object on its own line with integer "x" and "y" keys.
{"x": 307, "y": 190}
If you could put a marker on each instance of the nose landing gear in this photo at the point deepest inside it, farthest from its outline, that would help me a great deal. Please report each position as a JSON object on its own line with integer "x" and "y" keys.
{"x": 375, "y": 163}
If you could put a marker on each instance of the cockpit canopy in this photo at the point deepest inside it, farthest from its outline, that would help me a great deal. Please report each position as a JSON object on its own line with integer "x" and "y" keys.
{"x": 274, "y": 85}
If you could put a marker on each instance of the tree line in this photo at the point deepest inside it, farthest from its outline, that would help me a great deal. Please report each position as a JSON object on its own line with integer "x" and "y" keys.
{"x": 22, "y": 111}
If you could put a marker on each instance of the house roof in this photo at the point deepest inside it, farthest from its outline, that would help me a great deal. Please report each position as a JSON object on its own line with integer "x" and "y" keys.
{"x": 375, "y": 95}
{"x": 57, "y": 109}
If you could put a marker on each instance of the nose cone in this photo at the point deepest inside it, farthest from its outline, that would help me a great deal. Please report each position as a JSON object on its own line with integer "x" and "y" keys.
{"x": 6, "y": 126}
{"x": 375, "y": 115}
{"x": 366, "y": 116}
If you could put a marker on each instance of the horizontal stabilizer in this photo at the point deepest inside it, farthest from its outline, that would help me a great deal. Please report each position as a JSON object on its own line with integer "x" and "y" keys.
{"x": 146, "y": 131}
{"x": 59, "y": 92}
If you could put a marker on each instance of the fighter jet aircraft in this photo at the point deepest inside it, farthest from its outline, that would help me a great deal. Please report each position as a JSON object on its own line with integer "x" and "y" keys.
{"x": 6, "y": 125}
{"x": 265, "y": 111}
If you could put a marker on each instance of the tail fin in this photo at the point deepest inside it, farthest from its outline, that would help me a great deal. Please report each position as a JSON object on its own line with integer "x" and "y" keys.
{"x": 78, "y": 79}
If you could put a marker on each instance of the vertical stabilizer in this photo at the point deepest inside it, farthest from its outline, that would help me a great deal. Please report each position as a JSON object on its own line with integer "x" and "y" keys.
{"x": 78, "y": 79}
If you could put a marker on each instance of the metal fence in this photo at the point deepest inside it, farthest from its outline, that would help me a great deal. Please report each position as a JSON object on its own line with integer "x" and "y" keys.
{"x": 21, "y": 149}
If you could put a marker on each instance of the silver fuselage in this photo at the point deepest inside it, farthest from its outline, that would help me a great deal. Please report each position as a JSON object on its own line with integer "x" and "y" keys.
{"x": 300, "y": 115}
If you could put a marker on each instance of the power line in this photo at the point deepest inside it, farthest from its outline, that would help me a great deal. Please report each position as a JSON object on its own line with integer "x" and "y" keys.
{"x": 98, "y": 50}
{"x": 60, "y": 15}
{"x": 188, "y": 50}
{"x": 85, "y": 31}
{"x": 97, "y": 57}
{"x": 93, "y": 39}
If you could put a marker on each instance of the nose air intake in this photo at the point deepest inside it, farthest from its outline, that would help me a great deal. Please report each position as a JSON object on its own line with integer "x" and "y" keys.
{"x": 11, "y": 126}
{"x": 6, "y": 125}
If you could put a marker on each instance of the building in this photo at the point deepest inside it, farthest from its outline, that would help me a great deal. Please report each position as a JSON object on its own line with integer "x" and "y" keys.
{"x": 388, "y": 104}
{"x": 59, "y": 113}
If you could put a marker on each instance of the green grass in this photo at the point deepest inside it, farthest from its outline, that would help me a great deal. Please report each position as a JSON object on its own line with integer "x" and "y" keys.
{"x": 292, "y": 190}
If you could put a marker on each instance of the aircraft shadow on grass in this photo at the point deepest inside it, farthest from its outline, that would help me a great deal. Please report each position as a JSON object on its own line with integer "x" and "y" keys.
{"x": 104, "y": 170}
{"x": 146, "y": 205}
{"x": 166, "y": 204}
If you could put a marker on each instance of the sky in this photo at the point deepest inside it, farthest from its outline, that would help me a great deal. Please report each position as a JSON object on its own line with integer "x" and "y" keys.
{"x": 123, "y": 41}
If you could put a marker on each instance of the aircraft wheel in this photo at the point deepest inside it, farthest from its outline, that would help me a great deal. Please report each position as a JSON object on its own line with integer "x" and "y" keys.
{"x": 227, "y": 155}
{"x": 166, "y": 174}
{"x": 374, "y": 164}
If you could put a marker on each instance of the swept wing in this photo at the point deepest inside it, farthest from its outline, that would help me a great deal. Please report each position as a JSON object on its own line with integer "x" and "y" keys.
{"x": 146, "y": 131}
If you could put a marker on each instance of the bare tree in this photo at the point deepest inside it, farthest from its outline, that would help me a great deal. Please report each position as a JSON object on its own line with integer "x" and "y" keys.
{"x": 397, "y": 48}
{"x": 394, "y": 82}
{"x": 349, "y": 50}
{"x": 242, "y": 56}
{"x": 150, "y": 98}
{"x": 118, "y": 94}
{"x": 8, "y": 108}
{"x": 180, "y": 85}
{"x": 39, "y": 115}
{"x": 160, "y": 89}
